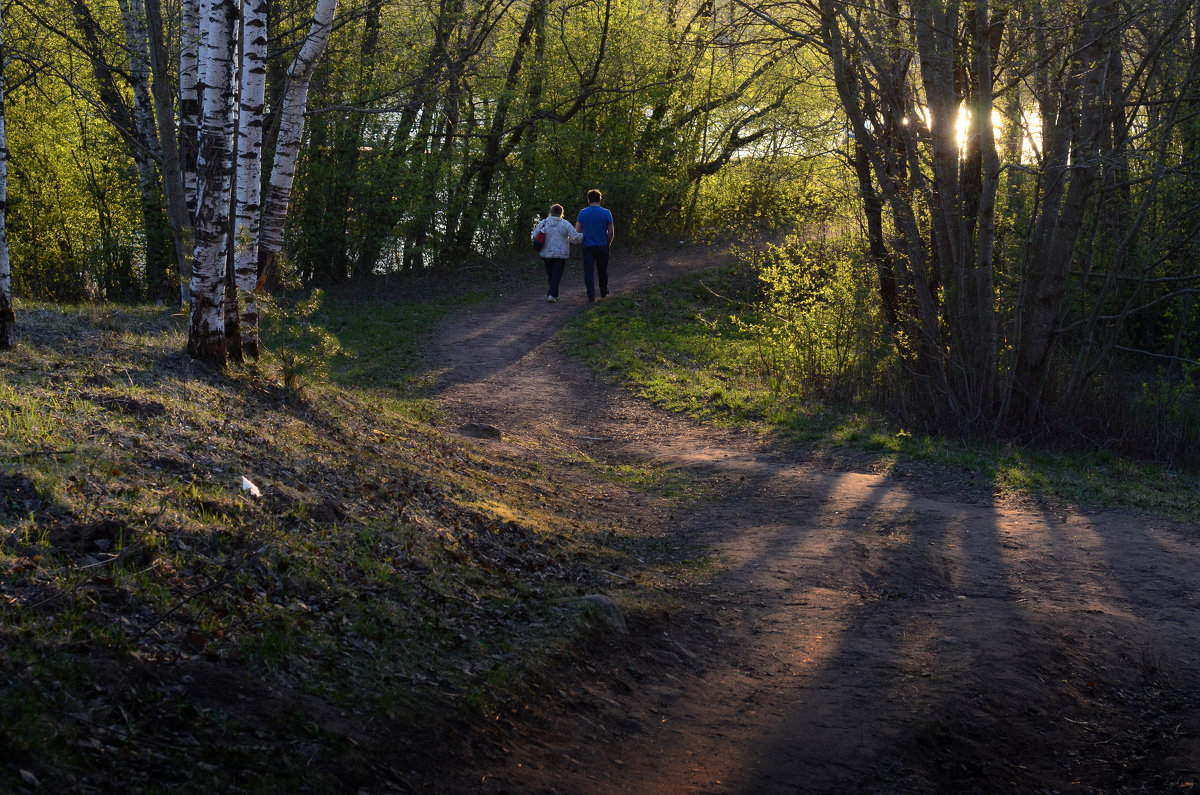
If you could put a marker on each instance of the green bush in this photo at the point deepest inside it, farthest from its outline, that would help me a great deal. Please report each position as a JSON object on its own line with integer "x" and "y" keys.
{"x": 818, "y": 327}
{"x": 298, "y": 341}
{"x": 752, "y": 194}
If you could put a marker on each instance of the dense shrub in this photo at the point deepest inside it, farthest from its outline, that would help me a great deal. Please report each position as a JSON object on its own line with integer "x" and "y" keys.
{"x": 819, "y": 330}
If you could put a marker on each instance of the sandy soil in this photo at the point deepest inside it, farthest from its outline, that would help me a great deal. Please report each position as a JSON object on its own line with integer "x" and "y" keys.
{"x": 864, "y": 633}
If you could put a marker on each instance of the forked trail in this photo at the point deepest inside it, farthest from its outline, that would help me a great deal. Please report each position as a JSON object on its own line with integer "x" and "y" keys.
{"x": 863, "y": 633}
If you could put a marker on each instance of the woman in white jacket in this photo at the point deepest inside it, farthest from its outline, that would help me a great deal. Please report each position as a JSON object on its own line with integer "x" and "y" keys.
{"x": 560, "y": 234}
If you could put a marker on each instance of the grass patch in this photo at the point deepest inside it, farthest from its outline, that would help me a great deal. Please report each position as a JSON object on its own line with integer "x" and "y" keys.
{"x": 680, "y": 347}
{"x": 368, "y": 340}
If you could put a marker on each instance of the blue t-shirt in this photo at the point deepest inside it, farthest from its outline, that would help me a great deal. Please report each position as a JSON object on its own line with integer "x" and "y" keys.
{"x": 595, "y": 221}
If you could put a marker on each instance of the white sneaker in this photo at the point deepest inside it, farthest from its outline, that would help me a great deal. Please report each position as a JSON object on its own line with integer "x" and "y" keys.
{"x": 551, "y": 299}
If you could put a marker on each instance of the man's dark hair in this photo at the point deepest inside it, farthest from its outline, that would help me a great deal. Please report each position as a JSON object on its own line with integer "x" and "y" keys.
{"x": 556, "y": 209}
{"x": 594, "y": 197}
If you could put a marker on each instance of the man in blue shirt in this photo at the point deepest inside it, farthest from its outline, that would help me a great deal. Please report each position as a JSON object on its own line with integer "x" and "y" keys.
{"x": 596, "y": 224}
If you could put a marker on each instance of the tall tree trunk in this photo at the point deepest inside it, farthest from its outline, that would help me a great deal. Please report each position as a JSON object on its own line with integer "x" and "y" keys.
{"x": 171, "y": 166}
{"x": 190, "y": 90}
{"x": 944, "y": 212}
{"x": 231, "y": 323}
{"x": 206, "y": 337}
{"x": 887, "y": 159}
{"x": 433, "y": 127}
{"x": 469, "y": 198}
{"x": 8, "y": 317}
{"x": 135, "y": 125}
{"x": 159, "y": 254}
{"x": 440, "y": 122}
{"x": 249, "y": 170}
{"x": 291, "y": 131}
{"x": 980, "y": 352}
{"x": 528, "y": 208}
{"x": 1125, "y": 274}
{"x": 883, "y": 258}
{"x": 1069, "y": 182}
{"x": 349, "y": 145}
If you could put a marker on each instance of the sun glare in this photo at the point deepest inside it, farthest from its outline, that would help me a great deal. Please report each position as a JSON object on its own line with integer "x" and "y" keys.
{"x": 1031, "y": 135}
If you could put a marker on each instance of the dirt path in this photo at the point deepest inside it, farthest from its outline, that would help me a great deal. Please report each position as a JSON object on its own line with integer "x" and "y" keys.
{"x": 864, "y": 634}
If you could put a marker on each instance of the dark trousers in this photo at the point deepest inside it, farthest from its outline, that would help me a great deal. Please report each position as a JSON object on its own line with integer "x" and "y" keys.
{"x": 554, "y": 272}
{"x": 595, "y": 263}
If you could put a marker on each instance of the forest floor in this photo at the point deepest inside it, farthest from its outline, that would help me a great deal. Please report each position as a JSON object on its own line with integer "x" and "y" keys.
{"x": 859, "y": 630}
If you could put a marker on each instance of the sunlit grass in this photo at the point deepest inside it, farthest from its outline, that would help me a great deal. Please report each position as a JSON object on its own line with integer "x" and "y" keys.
{"x": 680, "y": 348}
{"x": 650, "y": 478}
{"x": 378, "y": 339}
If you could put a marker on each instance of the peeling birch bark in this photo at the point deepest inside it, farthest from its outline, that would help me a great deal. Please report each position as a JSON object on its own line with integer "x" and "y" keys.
{"x": 206, "y": 337}
{"x": 249, "y": 170}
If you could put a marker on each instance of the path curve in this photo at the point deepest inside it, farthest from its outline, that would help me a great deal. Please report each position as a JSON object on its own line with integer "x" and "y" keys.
{"x": 863, "y": 634}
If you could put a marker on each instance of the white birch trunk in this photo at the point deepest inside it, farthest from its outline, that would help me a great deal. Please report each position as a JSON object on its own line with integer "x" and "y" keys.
{"x": 291, "y": 130}
{"x": 233, "y": 336}
{"x": 137, "y": 40}
{"x": 8, "y": 317}
{"x": 189, "y": 99}
{"x": 249, "y": 169}
{"x": 206, "y": 338}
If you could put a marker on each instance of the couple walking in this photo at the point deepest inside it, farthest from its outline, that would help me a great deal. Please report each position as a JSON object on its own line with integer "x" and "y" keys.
{"x": 594, "y": 228}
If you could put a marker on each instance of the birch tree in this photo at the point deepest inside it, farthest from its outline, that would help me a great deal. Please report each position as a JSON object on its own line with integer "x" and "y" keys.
{"x": 190, "y": 95}
{"x": 206, "y": 336}
{"x": 291, "y": 132}
{"x": 249, "y": 170}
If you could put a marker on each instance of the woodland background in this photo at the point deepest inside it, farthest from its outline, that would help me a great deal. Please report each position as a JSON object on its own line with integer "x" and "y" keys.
{"x": 988, "y": 211}
{"x": 932, "y": 248}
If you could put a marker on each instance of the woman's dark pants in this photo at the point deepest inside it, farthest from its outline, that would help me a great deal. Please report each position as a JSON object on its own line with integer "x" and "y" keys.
{"x": 554, "y": 272}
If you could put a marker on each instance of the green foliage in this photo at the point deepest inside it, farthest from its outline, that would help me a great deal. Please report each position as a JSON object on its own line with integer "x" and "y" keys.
{"x": 688, "y": 348}
{"x": 407, "y": 190}
{"x": 294, "y": 337}
{"x": 477, "y": 120}
{"x": 680, "y": 348}
{"x": 1153, "y": 416}
{"x": 73, "y": 221}
{"x": 754, "y": 195}
{"x": 818, "y": 327}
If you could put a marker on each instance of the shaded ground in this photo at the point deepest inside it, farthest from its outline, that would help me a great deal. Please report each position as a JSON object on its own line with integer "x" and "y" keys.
{"x": 864, "y": 633}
